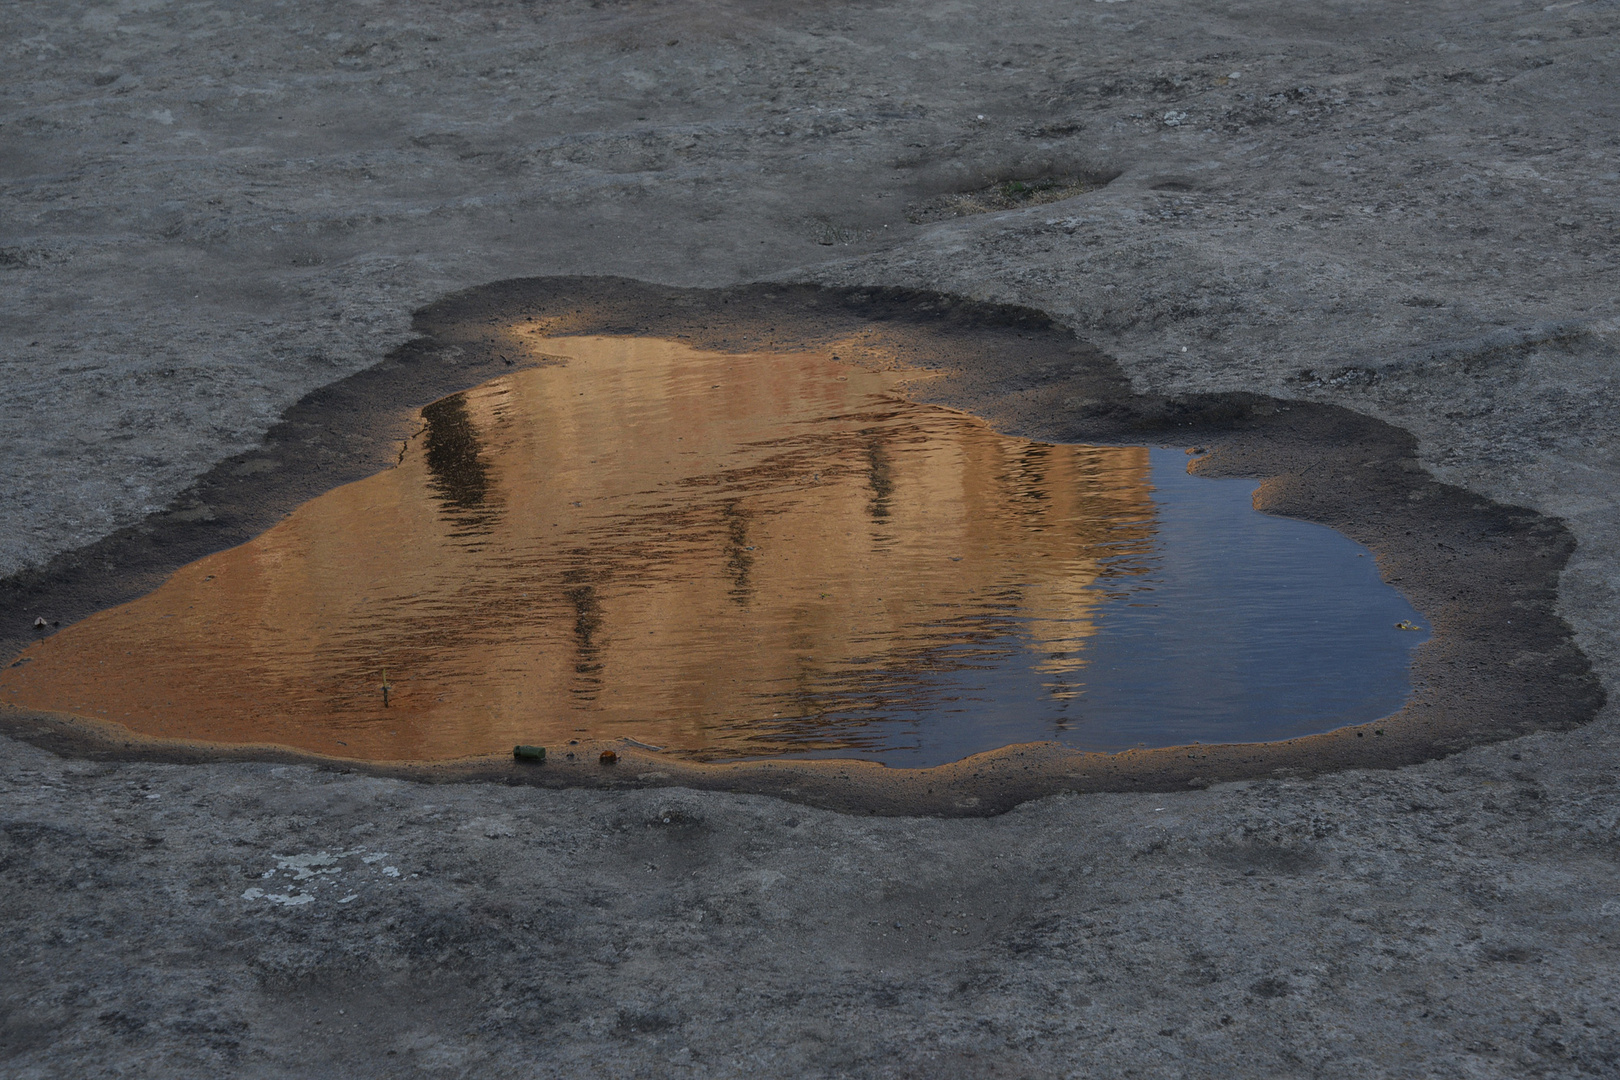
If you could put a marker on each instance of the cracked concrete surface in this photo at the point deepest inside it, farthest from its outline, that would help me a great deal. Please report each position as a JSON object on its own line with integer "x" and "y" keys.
{"x": 208, "y": 210}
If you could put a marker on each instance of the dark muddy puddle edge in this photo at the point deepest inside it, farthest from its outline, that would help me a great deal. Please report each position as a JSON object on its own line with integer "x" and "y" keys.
{"x": 1501, "y": 662}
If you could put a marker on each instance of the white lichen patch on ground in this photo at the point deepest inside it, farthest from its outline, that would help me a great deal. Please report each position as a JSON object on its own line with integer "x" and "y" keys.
{"x": 321, "y": 875}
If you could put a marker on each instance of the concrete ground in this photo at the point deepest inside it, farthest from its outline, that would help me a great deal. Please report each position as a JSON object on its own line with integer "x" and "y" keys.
{"x": 208, "y": 210}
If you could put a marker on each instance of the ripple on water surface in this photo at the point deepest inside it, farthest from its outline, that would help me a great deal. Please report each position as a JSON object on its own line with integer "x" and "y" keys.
{"x": 741, "y": 556}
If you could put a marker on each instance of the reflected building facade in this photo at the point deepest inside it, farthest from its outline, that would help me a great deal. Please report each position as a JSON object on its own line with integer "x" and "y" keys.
{"x": 723, "y": 554}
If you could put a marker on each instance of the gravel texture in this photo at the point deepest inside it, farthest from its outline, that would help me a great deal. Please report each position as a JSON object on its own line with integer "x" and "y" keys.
{"x": 208, "y": 210}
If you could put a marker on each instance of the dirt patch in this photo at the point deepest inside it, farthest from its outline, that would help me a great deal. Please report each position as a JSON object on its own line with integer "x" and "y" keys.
{"x": 1501, "y": 662}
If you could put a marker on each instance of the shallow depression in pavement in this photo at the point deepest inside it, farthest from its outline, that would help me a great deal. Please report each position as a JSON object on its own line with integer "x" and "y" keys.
{"x": 743, "y": 555}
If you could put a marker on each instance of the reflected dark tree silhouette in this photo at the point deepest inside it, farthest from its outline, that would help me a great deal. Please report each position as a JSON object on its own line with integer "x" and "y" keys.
{"x": 454, "y": 454}
{"x": 1029, "y": 478}
{"x": 587, "y": 606}
{"x": 739, "y": 556}
{"x": 879, "y": 477}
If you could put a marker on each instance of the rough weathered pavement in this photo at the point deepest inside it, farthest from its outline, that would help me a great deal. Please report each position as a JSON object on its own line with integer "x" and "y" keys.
{"x": 1406, "y": 208}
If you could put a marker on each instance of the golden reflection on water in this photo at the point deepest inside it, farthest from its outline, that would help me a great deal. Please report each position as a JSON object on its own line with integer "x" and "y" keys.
{"x": 702, "y": 551}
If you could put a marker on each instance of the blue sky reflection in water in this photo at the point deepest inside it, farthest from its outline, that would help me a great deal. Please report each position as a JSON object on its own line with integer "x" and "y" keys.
{"x": 1237, "y": 626}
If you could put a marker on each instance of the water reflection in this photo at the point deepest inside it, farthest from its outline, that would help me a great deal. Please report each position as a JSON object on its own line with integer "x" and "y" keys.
{"x": 880, "y": 478}
{"x": 739, "y": 552}
{"x": 459, "y": 476}
{"x": 728, "y": 555}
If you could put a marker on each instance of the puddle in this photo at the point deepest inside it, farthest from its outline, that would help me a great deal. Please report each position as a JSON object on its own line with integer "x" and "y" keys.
{"x": 578, "y": 553}
{"x": 745, "y": 555}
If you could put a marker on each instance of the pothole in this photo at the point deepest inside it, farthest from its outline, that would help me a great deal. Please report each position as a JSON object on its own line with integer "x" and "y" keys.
{"x": 1008, "y": 194}
{"x": 729, "y": 534}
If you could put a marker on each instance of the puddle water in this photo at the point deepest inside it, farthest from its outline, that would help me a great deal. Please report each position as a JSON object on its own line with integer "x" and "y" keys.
{"x": 742, "y": 556}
